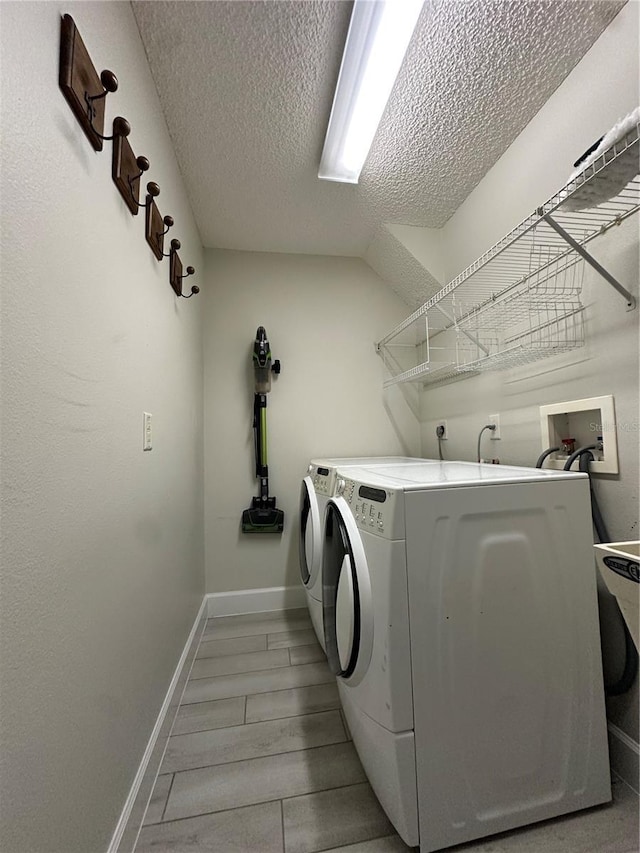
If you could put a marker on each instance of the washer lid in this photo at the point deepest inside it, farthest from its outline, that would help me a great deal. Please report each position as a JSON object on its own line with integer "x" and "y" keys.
{"x": 450, "y": 474}
{"x": 365, "y": 461}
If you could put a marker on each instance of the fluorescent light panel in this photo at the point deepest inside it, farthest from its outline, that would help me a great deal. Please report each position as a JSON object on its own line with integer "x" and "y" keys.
{"x": 378, "y": 37}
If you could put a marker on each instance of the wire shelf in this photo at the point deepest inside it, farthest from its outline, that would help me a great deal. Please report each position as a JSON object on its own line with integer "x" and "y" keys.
{"x": 521, "y": 300}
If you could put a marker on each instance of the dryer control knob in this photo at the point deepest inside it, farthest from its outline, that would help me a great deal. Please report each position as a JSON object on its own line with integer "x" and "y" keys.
{"x": 341, "y": 487}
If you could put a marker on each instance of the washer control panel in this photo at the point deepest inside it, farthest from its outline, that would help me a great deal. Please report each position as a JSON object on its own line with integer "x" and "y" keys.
{"x": 375, "y": 510}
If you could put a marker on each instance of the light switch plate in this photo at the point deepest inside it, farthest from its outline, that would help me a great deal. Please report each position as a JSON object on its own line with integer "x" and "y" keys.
{"x": 146, "y": 431}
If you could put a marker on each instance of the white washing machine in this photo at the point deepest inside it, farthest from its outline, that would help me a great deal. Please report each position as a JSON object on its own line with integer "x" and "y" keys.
{"x": 317, "y": 487}
{"x": 461, "y": 621}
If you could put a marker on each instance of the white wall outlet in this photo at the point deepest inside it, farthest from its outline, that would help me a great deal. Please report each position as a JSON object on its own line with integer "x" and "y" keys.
{"x": 146, "y": 431}
{"x": 441, "y": 430}
{"x": 495, "y": 433}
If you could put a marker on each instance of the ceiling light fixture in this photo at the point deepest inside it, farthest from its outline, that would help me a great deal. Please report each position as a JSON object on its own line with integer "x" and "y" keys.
{"x": 378, "y": 37}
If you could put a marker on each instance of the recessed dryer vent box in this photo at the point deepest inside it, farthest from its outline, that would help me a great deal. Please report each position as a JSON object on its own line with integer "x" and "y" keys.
{"x": 584, "y": 421}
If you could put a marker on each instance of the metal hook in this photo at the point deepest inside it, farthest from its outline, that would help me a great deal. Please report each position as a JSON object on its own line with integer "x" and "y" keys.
{"x": 110, "y": 83}
{"x": 175, "y": 245}
{"x": 176, "y": 280}
{"x": 195, "y": 289}
{"x": 168, "y": 221}
{"x": 153, "y": 191}
{"x": 152, "y": 188}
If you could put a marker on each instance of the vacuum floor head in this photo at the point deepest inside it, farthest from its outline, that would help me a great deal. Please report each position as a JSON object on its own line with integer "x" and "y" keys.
{"x": 263, "y": 520}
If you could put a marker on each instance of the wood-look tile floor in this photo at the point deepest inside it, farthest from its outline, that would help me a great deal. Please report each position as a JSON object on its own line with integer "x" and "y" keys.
{"x": 260, "y": 761}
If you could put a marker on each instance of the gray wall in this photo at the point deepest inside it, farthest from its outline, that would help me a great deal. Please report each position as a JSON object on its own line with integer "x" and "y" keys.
{"x": 322, "y": 316}
{"x": 101, "y": 544}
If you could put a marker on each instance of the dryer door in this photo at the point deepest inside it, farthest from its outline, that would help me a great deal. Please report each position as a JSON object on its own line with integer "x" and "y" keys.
{"x": 346, "y": 595}
{"x": 309, "y": 542}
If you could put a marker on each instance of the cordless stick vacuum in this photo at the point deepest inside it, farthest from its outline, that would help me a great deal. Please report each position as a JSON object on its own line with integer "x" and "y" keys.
{"x": 263, "y": 516}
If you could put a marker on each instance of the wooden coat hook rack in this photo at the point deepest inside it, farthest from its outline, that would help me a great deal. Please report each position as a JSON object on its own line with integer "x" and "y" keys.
{"x": 86, "y": 94}
{"x": 127, "y": 169}
{"x": 156, "y": 226}
{"x": 84, "y": 90}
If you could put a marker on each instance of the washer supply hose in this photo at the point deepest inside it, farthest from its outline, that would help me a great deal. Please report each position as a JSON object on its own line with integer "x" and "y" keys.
{"x": 576, "y": 453}
{"x": 630, "y": 670}
{"x": 544, "y": 455}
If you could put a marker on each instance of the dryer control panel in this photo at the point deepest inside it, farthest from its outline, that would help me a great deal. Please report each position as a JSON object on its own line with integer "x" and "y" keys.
{"x": 375, "y": 510}
{"x": 323, "y": 479}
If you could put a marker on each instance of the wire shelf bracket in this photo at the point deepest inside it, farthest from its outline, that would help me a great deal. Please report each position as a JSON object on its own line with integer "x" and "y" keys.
{"x": 631, "y": 300}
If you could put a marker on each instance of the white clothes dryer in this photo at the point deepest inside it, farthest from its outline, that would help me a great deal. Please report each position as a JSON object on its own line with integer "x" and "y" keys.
{"x": 460, "y": 619}
{"x": 316, "y": 489}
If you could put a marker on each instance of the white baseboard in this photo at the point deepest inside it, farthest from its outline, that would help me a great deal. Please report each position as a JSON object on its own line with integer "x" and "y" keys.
{"x": 255, "y": 600}
{"x": 624, "y": 754}
{"x": 168, "y": 703}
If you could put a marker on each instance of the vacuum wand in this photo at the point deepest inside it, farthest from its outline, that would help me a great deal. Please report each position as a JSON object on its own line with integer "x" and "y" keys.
{"x": 263, "y": 516}
{"x": 260, "y": 433}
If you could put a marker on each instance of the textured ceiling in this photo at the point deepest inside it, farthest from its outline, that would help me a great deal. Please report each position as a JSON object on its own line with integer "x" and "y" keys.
{"x": 247, "y": 87}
